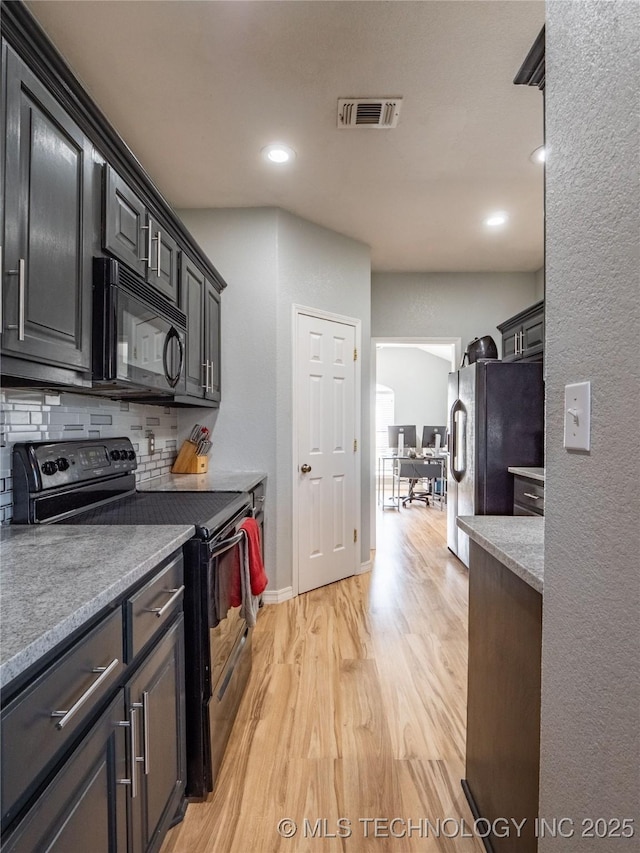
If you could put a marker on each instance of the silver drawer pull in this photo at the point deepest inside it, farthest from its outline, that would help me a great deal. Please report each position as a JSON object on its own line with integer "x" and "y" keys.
{"x": 145, "y": 727}
{"x": 133, "y": 781}
{"x": 160, "y": 611}
{"x": 533, "y": 497}
{"x": 105, "y": 672}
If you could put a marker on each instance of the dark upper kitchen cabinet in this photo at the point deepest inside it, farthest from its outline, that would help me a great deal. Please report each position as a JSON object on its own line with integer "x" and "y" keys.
{"x": 212, "y": 341}
{"x": 74, "y": 191}
{"x": 125, "y": 219}
{"x": 46, "y": 262}
{"x": 523, "y": 335}
{"x": 133, "y": 236}
{"x": 201, "y": 304}
{"x": 192, "y": 288}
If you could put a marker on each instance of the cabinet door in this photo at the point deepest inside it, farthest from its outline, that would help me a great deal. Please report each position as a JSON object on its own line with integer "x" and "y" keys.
{"x": 192, "y": 284}
{"x": 162, "y": 266}
{"x": 511, "y": 343}
{"x": 126, "y": 234}
{"x": 47, "y": 227}
{"x": 212, "y": 340}
{"x": 533, "y": 336}
{"x": 157, "y": 694}
{"x": 84, "y": 807}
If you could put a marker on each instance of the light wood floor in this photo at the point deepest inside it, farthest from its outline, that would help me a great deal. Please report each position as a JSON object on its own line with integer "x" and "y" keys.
{"x": 355, "y": 709}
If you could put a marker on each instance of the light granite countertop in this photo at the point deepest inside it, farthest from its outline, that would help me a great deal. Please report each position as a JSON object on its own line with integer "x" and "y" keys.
{"x": 54, "y": 578}
{"x": 531, "y": 473}
{"x": 213, "y": 481}
{"x": 517, "y": 541}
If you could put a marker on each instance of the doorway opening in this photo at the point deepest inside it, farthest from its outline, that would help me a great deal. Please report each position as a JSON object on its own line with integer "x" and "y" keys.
{"x": 409, "y": 385}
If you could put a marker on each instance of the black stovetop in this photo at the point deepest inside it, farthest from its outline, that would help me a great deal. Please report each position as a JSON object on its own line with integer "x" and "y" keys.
{"x": 206, "y": 510}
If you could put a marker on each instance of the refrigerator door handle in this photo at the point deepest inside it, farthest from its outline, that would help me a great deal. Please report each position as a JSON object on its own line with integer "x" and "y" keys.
{"x": 457, "y": 432}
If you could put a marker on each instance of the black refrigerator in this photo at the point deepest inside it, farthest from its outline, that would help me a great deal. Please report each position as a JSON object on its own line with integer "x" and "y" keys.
{"x": 496, "y": 420}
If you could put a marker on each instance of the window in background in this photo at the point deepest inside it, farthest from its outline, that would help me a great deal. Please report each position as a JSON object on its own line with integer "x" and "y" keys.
{"x": 385, "y": 414}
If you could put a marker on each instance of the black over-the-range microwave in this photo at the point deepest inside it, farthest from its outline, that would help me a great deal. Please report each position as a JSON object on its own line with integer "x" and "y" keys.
{"x": 139, "y": 338}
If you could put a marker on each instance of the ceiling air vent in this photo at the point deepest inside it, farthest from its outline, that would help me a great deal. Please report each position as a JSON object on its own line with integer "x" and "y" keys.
{"x": 369, "y": 112}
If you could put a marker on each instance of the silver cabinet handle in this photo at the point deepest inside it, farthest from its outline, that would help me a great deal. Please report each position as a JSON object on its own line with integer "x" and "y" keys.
{"x": 148, "y": 229}
{"x": 134, "y": 757}
{"x": 1, "y": 293}
{"x": 21, "y": 294}
{"x": 159, "y": 241}
{"x": 533, "y": 497}
{"x": 516, "y": 339}
{"x": 145, "y": 728}
{"x": 133, "y": 748}
{"x": 21, "y": 283}
{"x": 160, "y": 611}
{"x": 205, "y": 364}
{"x": 521, "y": 343}
{"x": 105, "y": 672}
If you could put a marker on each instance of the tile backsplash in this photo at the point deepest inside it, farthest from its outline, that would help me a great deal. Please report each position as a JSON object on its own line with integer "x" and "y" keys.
{"x": 27, "y": 415}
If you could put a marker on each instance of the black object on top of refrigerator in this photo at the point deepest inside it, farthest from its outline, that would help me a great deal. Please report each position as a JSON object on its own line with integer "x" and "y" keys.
{"x": 496, "y": 420}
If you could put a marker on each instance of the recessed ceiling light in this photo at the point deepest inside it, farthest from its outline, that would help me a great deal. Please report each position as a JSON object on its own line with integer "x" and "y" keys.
{"x": 278, "y": 153}
{"x": 496, "y": 219}
{"x": 539, "y": 155}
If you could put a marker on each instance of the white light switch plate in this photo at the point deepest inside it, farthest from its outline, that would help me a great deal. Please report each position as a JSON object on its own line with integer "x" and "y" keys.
{"x": 577, "y": 416}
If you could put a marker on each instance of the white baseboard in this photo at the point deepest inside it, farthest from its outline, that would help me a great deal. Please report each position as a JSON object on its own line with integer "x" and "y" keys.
{"x": 364, "y": 567}
{"x": 277, "y": 596}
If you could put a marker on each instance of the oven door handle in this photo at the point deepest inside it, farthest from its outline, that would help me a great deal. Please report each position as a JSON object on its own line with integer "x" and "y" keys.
{"x": 227, "y": 544}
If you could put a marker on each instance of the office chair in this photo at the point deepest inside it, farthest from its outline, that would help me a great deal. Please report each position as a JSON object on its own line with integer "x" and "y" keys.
{"x": 414, "y": 470}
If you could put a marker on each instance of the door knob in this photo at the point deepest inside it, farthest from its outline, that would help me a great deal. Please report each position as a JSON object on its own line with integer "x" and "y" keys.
{"x": 305, "y": 468}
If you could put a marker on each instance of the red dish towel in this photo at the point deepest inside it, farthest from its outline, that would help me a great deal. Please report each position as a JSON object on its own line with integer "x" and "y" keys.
{"x": 257, "y": 574}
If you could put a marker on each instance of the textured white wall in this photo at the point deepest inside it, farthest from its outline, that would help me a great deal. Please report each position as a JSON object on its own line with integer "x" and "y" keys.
{"x": 463, "y": 305}
{"x": 419, "y": 381}
{"x": 243, "y": 246}
{"x": 272, "y": 259}
{"x": 591, "y": 631}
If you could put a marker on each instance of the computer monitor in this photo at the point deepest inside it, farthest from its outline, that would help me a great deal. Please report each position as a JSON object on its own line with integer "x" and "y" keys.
{"x": 408, "y": 435}
{"x": 429, "y": 436}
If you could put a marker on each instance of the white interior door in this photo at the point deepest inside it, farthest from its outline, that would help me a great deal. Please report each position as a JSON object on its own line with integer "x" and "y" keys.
{"x": 326, "y": 464}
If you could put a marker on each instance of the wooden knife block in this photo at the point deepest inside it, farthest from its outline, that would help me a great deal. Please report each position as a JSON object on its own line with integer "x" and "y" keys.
{"x": 187, "y": 462}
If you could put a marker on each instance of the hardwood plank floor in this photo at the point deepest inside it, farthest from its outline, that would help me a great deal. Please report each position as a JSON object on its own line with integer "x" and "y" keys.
{"x": 355, "y": 710}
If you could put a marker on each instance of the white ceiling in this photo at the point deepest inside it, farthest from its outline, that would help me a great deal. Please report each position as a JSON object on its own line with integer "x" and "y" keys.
{"x": 196, "y": 89}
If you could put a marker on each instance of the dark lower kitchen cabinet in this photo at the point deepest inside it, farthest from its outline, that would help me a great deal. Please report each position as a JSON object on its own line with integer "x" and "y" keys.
{"x": 201, "y": 304}
{"x": 84, "y": 807}
{"x": 503, "y": 700}
{"x": 523, "y": 335}
{"x": 156, "y": 699}
{"x": 48, "y": 222}
{"x": 94, "y": 745}
{"x": 528, "y": 496}
{"x": 133, "y": 236}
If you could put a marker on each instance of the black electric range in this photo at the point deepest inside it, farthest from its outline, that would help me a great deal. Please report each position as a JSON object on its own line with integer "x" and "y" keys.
{"x": 92, "y": 481}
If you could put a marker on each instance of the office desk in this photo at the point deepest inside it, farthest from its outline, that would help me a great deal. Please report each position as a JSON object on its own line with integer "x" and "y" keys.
{"x": 386, "y": 470}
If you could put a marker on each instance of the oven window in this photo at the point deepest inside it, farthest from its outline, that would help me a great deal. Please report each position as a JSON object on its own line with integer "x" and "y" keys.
{"x": 225, "y": 589}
